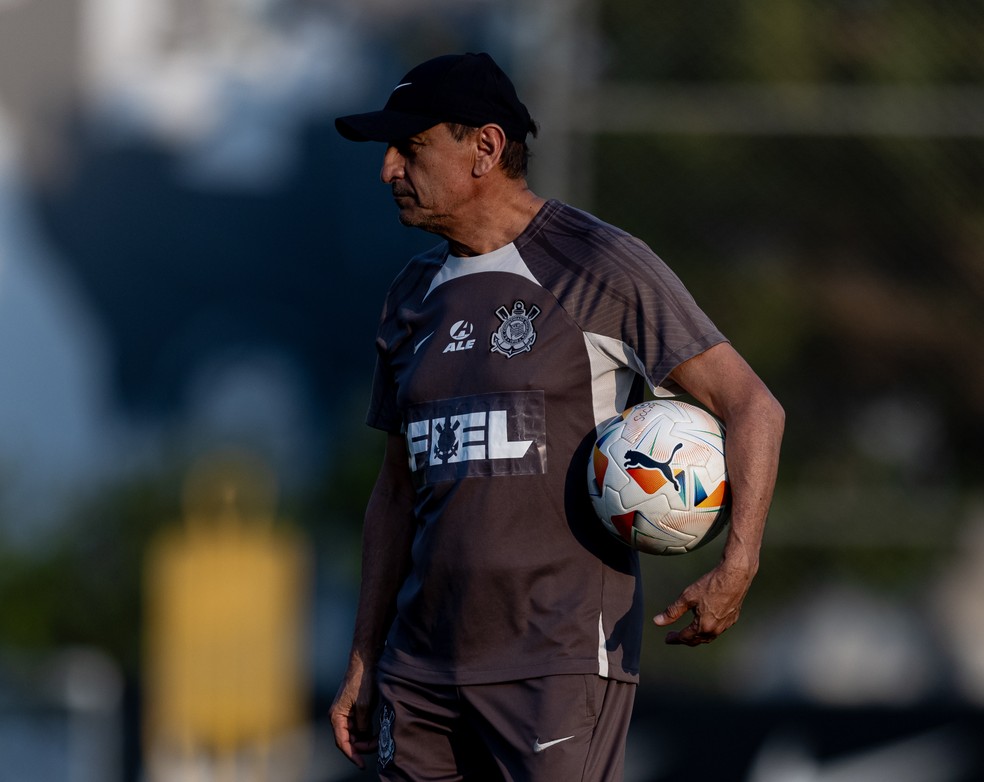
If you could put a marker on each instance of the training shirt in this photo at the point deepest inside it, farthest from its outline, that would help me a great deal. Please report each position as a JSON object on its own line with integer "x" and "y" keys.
{"x": 499, "y": 369}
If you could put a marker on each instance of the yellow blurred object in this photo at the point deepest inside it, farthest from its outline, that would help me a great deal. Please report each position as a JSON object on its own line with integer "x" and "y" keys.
{"x": 226, "y": 594}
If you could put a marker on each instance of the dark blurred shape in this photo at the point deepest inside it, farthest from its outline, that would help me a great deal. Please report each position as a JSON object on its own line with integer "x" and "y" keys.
{"x": 179, "y": 274}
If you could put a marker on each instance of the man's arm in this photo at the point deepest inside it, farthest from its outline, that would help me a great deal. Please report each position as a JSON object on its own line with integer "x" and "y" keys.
{"x": 721, "y": 380}
{"x": 387, "y": 537}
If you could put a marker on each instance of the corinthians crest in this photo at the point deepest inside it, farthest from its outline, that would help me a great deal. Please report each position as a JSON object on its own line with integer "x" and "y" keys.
{"x": 516, "y": 334}
{"x": 387, "y": 747}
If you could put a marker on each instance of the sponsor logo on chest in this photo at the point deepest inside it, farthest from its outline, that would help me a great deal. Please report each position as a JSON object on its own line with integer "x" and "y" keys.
{"x": 465, "y": 437}
{"x": 461, "y": 339}
{"x": 514, "y": 335}
{"x": 487, "y": 434}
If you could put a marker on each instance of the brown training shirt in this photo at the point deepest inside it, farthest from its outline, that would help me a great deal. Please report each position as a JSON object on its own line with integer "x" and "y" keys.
{"x": 498, "y": 369}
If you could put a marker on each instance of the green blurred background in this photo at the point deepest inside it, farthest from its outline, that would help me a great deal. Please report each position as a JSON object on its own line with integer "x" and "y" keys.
{"x": 190, "y": 260}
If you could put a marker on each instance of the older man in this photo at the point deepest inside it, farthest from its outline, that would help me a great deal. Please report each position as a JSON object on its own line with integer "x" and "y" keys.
{"x": 498, "y": 624}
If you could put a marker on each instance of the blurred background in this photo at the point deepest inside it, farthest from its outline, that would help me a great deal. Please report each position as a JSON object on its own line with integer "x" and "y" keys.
{"x": 192, "y": 265}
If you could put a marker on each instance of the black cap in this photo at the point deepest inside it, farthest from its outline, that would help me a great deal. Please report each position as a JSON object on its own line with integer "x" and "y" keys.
{"x": 469, "y": 89}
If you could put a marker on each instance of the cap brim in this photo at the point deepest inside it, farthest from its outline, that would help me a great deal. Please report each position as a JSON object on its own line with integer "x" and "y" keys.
{"x": 383, "y": 125}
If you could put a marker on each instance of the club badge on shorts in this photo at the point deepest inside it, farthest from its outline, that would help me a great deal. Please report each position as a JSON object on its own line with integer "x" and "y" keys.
{"x": 387, "y": 747}
{"x": 516, "y": 334}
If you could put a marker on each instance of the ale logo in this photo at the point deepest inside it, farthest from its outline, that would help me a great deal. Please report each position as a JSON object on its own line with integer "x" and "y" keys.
{"x": 461, "y": 333}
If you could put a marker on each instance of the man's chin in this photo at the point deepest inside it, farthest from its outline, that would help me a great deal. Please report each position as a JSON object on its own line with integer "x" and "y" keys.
{"x": 412, "y": 218}
{"x": 408, "y": 219}
{"x": 406, "y": 211}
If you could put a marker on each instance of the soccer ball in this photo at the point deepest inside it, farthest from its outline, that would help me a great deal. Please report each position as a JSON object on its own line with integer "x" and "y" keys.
{"x": 657, "y": 477}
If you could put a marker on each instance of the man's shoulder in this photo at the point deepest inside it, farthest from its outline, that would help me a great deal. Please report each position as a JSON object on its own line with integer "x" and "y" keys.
{"x": 569, "y": 240}
{"x": 420, "y": 267}
{"x": 563, "y": 223}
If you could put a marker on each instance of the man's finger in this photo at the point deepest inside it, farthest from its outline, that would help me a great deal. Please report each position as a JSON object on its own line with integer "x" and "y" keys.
{"x": 688, "y": 637}
{"x": 349, "y": 748}
{"x": 672, "y": 612}
{"x": 365, "y": 746}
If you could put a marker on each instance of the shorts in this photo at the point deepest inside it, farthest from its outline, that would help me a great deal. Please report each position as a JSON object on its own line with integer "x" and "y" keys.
{"x": 567, "y": 727}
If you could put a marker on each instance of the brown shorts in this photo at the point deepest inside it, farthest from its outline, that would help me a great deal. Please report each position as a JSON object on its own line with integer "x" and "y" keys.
{"x": 565, "y": 727}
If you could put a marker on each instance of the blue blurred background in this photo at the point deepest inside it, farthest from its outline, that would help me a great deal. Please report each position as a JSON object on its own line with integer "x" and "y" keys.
{"x": 192, "y": 264}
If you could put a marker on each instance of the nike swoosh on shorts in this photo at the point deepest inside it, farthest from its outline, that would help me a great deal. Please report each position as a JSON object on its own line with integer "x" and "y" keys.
{"x": 538, "y": 747}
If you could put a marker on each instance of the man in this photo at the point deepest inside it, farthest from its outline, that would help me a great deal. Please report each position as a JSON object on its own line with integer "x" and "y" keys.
{"x": 498, "y": 623}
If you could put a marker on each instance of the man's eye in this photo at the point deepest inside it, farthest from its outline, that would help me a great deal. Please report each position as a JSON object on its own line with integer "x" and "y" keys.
{"x": 406, "y": 148}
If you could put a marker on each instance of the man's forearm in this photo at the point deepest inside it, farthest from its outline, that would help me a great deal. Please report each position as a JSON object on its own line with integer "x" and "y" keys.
{"x": 721, "y": 379}
{"x": 387, "y": 538}
{"x": 754, "y": 435}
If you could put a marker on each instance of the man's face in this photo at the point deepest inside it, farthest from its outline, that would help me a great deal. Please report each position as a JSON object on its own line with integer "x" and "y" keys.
{"x": 431, "y": 178}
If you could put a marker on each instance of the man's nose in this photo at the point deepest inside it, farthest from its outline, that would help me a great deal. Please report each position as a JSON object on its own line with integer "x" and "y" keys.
{"x": 392, "y": 165}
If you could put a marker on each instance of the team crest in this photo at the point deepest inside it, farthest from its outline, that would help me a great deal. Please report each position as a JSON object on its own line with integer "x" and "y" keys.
{"x": 516, "y": 334}
{"x": 387, "y": 747}
{"x": 447, "y": 442}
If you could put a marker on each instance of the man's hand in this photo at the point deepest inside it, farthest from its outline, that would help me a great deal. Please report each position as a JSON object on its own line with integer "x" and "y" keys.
{"x": 715, "y": 600}
{"x": 351, "y": 712}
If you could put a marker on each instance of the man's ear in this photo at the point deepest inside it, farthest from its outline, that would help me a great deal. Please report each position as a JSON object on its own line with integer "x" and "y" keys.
{"x": 490, "y": 142}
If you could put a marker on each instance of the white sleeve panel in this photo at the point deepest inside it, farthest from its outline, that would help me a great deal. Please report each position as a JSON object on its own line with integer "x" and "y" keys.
{"x": 614, "y": 366}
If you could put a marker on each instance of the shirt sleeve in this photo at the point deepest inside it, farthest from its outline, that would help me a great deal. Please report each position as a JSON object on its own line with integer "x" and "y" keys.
{"x": 383, "y": 412}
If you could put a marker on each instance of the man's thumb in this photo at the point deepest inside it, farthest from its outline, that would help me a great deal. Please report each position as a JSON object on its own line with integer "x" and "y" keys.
{"x": 672, "y": 612}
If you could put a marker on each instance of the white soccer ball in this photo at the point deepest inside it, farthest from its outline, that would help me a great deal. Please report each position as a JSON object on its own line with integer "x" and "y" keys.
{"x": 657, "y": 477}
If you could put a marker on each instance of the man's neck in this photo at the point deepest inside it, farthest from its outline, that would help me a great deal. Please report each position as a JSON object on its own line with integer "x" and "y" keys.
{"x": 497, "y": 223}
